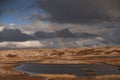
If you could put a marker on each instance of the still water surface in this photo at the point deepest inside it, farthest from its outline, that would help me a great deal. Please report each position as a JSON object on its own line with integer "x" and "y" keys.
{"x": 76, "y": 69}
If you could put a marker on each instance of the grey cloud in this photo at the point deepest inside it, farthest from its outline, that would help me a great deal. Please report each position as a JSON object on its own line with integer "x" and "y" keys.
{"x": 112, "y": 4}
{"x": 114, "y": 36}
{"x": 86, "y": 35}
{"x": 38, "y": 16}
{"x": 65, "y": 33}
{"x": 111, "y": 8}
{"x": 74, "y": 11}
{"x": 14, "y": 35}
{"x": 81, "y": 11}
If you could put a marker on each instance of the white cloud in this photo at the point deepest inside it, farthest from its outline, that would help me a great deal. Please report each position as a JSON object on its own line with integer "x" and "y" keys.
{"x": 12, "y": 24}
{"x": 26, "y": 44}
{"x": 90, "y": 42}
{"x": 1, "y": 28}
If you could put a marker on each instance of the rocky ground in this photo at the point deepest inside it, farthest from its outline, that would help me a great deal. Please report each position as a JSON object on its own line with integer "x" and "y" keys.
{"x": 11, "y": 58}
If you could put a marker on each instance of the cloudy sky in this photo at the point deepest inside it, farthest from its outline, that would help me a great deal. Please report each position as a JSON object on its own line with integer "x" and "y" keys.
{"x": 21, "y": 19}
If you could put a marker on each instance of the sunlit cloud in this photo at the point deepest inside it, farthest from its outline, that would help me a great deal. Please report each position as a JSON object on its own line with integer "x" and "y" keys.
{"x": 26, "y": 44}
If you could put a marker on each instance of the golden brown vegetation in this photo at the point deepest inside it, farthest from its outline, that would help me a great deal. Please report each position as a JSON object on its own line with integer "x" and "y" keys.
{"x": 10, "y": 58}
{"x": 108, "y": 77}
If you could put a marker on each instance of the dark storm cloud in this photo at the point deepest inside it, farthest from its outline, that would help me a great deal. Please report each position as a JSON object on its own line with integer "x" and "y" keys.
{"x": 81, "y": 11}
{"x": 112, "y": 8}
{"x": 73, "y": 11}
{"x": 112, "y": 3}
{"x": 114, "y": 36}
{"x": 65, "y": 33}
{"x": 14, "y": 35}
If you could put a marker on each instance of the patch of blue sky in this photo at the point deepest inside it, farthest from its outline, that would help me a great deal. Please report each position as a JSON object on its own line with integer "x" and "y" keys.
{"x": 20, "y": 9}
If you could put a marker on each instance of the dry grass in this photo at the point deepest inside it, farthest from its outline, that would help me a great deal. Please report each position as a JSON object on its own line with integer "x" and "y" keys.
{"x": 21, "y": 77}
{"x": 40, "y": 77}
{"x": 61, "y": 77}
{"x": 10, "y": 58}
{"x": 108, "y": 77}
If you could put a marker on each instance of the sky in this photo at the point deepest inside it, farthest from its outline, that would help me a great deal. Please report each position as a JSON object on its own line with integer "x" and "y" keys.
{"x": 15, "y": 11}
{"x": 27, "y": 20}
